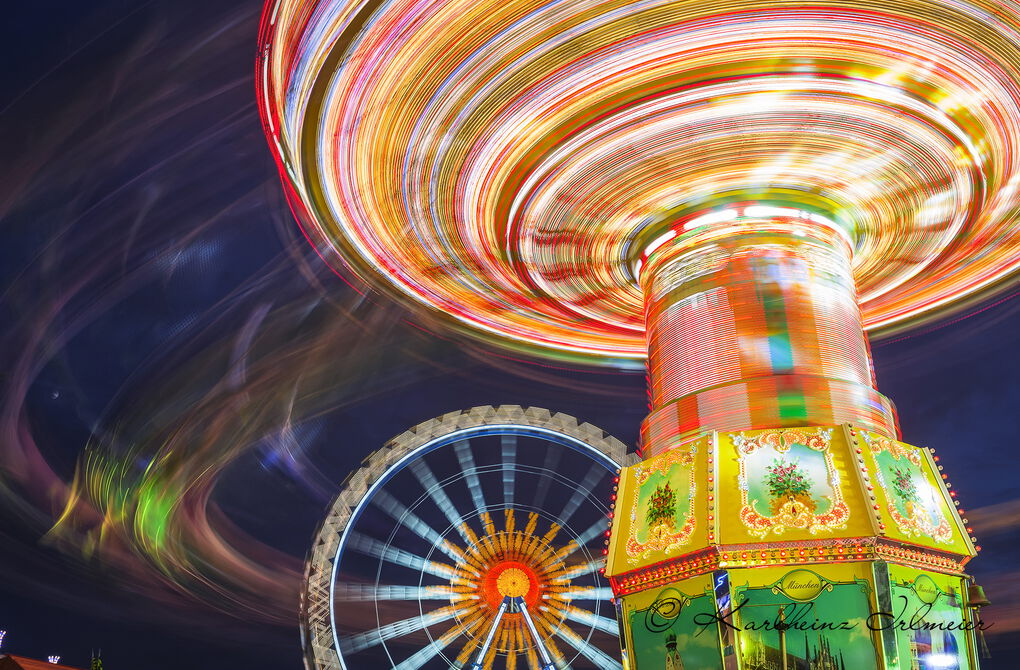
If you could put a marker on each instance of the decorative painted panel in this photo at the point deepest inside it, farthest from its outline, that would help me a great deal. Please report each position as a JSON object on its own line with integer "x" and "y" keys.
{"x": 658, "y": 508}
{"x": 913, "y": 503}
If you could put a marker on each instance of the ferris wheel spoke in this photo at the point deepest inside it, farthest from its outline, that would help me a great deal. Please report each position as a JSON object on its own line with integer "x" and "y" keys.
{"x": 371, "y": 592}
{"x": 476, "y": 624}
{"x": 595, "y": 474}
{"x": 587, "y": 618}
{"x": 586, "y": 568}
{"x": 547, "y": 631}
{"x": 352, "y": 644}
{"x": 600, "y": 658}
{"x": 552, "y": 461}
{"x": 420, "y": 658}
{"x": 593, "y": 531}
{"x": 471, "y": 643}
{"x": 581, "y": 540}
{"x": 408, "y": 519}
{"x": 435, "y": 491}
{"x": 372, "y": 547}
{"x": 467, "y": 466}
{"x": 508, "y": 447}
{"x": 586, "y": 593}
{"x": 430, "y": 651}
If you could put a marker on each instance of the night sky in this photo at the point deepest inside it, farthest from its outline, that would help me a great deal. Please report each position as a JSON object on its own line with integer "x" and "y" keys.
{"x": 159, "y": 305}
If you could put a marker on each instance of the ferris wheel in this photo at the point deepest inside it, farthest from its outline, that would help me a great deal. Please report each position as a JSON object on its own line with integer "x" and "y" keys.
{"x": 474, "y": 540}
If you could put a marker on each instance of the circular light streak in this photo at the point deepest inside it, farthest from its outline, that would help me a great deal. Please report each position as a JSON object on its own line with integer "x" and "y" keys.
{"x": 506, "y": 164}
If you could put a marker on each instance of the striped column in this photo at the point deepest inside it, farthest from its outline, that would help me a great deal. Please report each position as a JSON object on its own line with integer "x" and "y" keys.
{"x": 755, "y": 324}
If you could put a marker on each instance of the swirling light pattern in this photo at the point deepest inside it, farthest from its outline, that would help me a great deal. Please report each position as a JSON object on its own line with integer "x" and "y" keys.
{"x": 507, "y": 164}
{"x": 169, "y": 337}
{"x": 178, "y": 336}
{"x": 755, "y": 324}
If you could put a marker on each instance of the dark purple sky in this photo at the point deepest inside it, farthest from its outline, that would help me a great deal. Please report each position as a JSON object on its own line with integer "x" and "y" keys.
{"x": 144, "y": 230}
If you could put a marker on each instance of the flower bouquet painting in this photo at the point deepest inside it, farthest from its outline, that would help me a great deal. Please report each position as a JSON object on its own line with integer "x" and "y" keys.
{"x": 662, "y": 507}
{"x": 903, "y": 486}
{"x": 789, "y": 487}
{"x": 661, "y": 521}
{"x": 789, "y": 482}
{"x": 913, "y": 502}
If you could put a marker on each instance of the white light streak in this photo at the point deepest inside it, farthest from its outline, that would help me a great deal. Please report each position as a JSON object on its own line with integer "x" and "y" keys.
{"x": 400, "y": 513}
{"x": 591, "y": 652}
{"x": 710, "y": 218}
{"x": 594, "y": 620}
{"x": 435, "y": 491}
{"x": 595, "y": 473}
{"x": 355, "y": 643}
{"x": 658, "y": 242}
{"x": 467, "y": 466}
{"x": 371, "y": 592}
{"x": 508, "y": 446}
{"x": 428, "y": 652}
{"x": 587, "y": 593}
{"x": 372, "y": 547}
{"x": 582, "y": 569}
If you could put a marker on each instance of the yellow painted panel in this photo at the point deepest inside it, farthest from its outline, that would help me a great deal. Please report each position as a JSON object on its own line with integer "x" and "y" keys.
{"x": 660, "y": 508}
{"x": 913, "y": 503}
{"x": 789, "y": 485}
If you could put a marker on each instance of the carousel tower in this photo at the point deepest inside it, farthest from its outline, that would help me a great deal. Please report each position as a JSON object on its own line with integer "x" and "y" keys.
{"x": 733, "y": 196}
{"x": 755, "y": 324}
{"x": 772, "y": 476}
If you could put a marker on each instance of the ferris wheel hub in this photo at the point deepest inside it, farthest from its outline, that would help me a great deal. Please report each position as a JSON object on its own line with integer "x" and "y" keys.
{"x": 514, "y": 577}
{"x": 514, "y": 582}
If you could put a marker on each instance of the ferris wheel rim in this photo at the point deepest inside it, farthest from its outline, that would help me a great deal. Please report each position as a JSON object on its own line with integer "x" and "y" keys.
{"x": 427, "y": 436}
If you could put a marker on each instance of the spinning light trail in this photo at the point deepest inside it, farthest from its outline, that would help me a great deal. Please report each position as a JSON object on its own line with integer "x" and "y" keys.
{"x": 735, "y": 192}
{"x": 511, "y": 164}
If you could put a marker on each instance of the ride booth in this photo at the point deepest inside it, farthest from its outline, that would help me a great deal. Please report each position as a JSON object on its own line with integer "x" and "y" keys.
{"x": 820, "y": 548}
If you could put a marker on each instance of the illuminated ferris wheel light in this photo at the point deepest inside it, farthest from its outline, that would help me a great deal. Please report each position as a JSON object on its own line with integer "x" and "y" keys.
{"x": 475, "y": 540}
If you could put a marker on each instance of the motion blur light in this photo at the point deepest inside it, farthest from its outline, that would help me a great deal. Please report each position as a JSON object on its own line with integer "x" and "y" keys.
{"x": 940, "y": 660}
{"x": 586, "y": 184}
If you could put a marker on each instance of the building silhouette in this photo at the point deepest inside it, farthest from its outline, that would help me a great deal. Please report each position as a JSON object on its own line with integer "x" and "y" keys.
{"x": 673, "y": 660}
{"x": 816, "y": 654}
